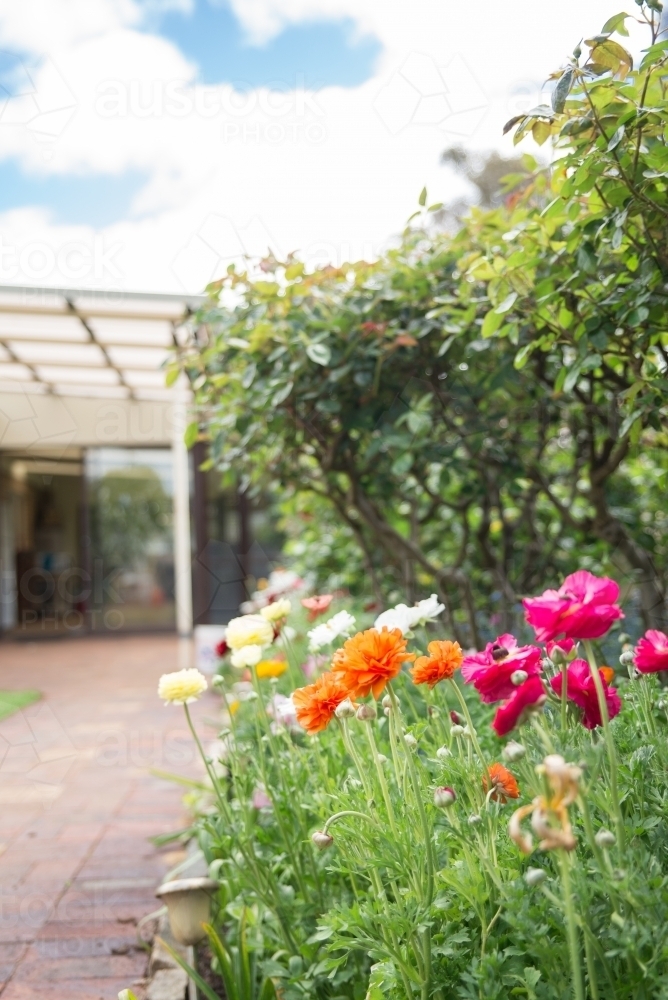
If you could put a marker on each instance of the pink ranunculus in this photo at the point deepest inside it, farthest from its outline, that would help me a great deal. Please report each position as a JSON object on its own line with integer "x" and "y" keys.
{"x": 584, "y": 607}
{"x": 651, "y": 653}
{"x": 565, "y": 646}
{"x": 580, "y": 689}
{"x": 491, "y": 671}
{"x": 527, "y": 698}
{"x": 260, "y": 798}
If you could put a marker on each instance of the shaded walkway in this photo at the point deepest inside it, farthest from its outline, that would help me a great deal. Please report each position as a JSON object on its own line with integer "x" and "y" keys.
{"x": 77, "y": 806}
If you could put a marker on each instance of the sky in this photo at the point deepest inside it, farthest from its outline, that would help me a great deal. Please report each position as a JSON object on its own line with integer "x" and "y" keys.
{"x": 145, "y": 144}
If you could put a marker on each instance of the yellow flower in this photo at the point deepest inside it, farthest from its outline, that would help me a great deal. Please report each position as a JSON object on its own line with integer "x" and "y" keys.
{"x": 276, "y": 610}
{"x": 181, "y": 687}
{"x": 271, "y": 668}
{"x": 250, "y": 630}
{"x": 233, "y": 706}
{"x": 549, "y": 813}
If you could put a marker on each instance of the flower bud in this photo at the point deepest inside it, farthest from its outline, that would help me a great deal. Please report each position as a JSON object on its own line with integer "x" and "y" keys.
{"x": 534, "y": 876}
{"x": 604, "y": 838}
{"x": 366, "y": 712}
{"x": 623, "y": 638}
{"x": 386, "y": 712}
{"x": 468, "y": 733}
{"x": 457, "y": 730}
{"x": 410, "y": 740}
{"x": 345, "y": 710}
{"x": 474, "y": 819}
{"x": 381, "y": 758}
{"x": 322, "y": 840}
{"x": 387, "y": 701}
{"x": 433, "y": 712}
{"x": 662, "y": 705}
{"x": 455, "y": 718}
{"x": 626, "y": 659}
{"x": 557, "y": 655}
{"x": 518, "y": 677}
{"x": 443, "y": 753}
{"x": 513, "y": 751}
{"x": 444, "y": 797}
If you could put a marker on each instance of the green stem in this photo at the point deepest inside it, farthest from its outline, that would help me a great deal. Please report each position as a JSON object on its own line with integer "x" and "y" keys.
{"x": 564, "y": 698}
{"x": 382, "y": 781}
{"x": 609, "y": 742}
{"x": 469, "y": 723}
{"x": 571, "y": 926}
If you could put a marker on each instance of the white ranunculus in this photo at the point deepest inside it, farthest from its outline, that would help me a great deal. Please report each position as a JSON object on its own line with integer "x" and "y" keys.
{"x": 247, "y": 656}
{"x": 401, "y": 617}
{"x": 181, "y": 687}
{"x": 250, "y": 630}
{"x": 425, "y": 611}
{"x": 276, "y": 610}
{"x": 341, "y": 623}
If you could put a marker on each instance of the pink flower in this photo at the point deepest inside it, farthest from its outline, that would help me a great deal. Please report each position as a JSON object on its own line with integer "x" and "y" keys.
{"x": 491, "y": 671}
{"x": 313, "y": 665}
{"x": 565, "y": 646}
{"x": 583, "y": 608}
{"x": 526, "y": 698}
{"x": 652, "y": 652}
{"x": 580, "y": 689}
{"x": 260, "y": 798}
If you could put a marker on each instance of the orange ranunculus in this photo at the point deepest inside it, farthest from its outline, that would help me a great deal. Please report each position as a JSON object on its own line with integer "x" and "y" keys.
{"x": 317, "y": 605}
{"x": 370, "y": 659}
{"x": 444, "y": 658}
{"x": 503, "y": 783}
{"x": 316, "y": 703}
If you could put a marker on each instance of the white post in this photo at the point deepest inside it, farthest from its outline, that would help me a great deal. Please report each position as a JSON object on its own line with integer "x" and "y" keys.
{"x": 182, "y": 552}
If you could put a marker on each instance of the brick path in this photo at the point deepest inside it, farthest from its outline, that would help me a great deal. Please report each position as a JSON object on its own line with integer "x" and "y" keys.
{"x": 77, "y": 804}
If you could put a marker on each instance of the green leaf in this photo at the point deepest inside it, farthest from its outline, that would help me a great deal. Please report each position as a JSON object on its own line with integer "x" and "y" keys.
{"x": 615, "y": 23}
{"x": 401, "y": 465}
{"x": 628, "y": 422}
{"x": 249, "y": 376}
{"x": 195, "y": 976}
{"x": 171, "y": 376}
{"x": 507, "y": 304}
{"x": 523, "y": 355}
{"x": 616, "y": 139}
{"x": 445, "y": 346}
{"x": 282, "y": 394}
{"x": 562, "y": 90}
{"x": 422, "y": 200}
{"x": 319, "y": 353}
{"x": 491, "y": 323}
{"x": 239, "y": 342}
{"x": 126, "y": 995}
{"x": 191, "y": 434}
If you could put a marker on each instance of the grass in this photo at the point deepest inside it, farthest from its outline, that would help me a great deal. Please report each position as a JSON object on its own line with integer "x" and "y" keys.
{"x": 13, "y": 701}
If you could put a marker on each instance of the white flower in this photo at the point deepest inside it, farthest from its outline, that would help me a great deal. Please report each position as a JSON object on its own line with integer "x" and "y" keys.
{"x": 276, "y": 610}
{"x": 322, "y": 635}
{"x": 287, "y": 635}
{"x": 283, "y": 711}
{"x": 181, "y": 687}
{"x": 425, "y": 611}
{"x": 251, "y": 630}
{"x": 406, "y": 619}
{"x": 247, "y": 656}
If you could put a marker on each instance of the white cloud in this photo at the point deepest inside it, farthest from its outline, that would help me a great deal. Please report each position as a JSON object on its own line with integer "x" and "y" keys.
{"x": 332, "y": 174}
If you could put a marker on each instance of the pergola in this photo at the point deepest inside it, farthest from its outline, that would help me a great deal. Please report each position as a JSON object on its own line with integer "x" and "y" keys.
{"x": 78, "y": 350}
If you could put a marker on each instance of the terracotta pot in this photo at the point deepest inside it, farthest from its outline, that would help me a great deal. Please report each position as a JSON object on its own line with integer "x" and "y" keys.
{"x": 188, "y": 902}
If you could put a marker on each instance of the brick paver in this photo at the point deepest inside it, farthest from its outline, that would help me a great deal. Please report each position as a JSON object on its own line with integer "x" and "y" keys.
{"x": 78, "y": 803}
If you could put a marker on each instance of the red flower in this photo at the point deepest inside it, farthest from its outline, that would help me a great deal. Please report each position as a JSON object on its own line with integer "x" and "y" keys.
{"x": 222, "y": 649}
{"x": 526, "y": 698}
{"x": 583, "y": 608}
{"x": 580, "y": 689}
{"x": 565, "y": 646}
{"x": 490, "y": 672}
{"x": 652, "y": 652}
{"x": 317, "y": 605}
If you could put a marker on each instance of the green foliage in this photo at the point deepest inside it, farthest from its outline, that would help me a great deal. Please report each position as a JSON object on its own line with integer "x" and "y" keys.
{"x": 471, "y": 408}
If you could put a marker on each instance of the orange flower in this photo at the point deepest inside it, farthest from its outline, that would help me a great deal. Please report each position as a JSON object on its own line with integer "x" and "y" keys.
{"x": 316, "y": 703}
{"x": 503, "y": 783}
{"x": 317, "y": 605}
{"x": 370, "y": 659}
{"x": 444, "y": 658}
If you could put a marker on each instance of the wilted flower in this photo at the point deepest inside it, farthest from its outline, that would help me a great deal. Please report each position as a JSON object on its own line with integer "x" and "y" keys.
{"x": 491, "y": 671}
{"x": 249, "y": 630}
{"x": 584, "y": 607}
{"x": 370, "y": 659}
{"x": 444, "y": 797}
{"x": 549, "y": 814}
{"x": 246, "y": 656}
{"x": 317, "y": 605}
{"x": 339, "y": 624}
{"x": 580, "y": 689}
{"x": 651, "y": 654}
{"x": 445, "y": 657}
{"x": 322, "y": 840}
{"x": 316, "y": 703}
{"x": 501, "y": 785}
{"x": 277, "y": 610}
{"x": 526, "y": 699}
{"x": 181, "y": 687}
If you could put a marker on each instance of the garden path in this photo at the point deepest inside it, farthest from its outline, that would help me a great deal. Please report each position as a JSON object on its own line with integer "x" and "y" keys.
{"x": 78, "y": 803}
